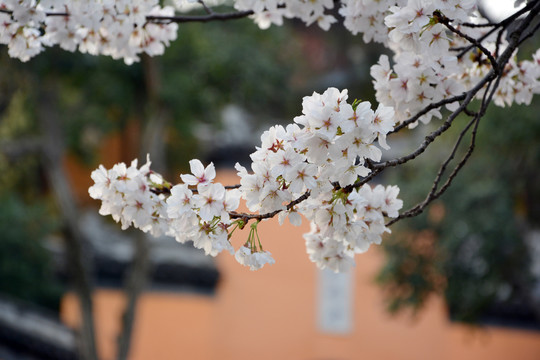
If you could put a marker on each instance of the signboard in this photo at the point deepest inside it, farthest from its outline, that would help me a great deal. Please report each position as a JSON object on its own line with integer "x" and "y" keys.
{"x": 335, "y": 302}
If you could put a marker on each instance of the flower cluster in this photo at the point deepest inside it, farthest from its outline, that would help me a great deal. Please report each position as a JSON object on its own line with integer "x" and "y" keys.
{"x": 348, "y": 224}
{"x": 431, "y": 64}
{"x": 520, "y": 83}
{"x": 202, "y": 217}
{"x": 268, "y": 12}
{"x": 319, "y": 165}
{"x": 520, "y": 80}
{"x": 324, "y": 154}
{"x": 99, "y": 27}
{"x": 425, "y": 71}
{"x": 313, "y": 167}
{"x": 125, "y": 194}
{"x": 367, "y": 17}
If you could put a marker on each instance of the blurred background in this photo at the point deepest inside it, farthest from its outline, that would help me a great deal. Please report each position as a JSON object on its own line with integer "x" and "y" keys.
{"x": 461, "y": 281}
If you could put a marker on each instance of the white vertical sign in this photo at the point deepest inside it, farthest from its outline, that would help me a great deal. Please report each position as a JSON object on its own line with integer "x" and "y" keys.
{"x": 334, "y": 302}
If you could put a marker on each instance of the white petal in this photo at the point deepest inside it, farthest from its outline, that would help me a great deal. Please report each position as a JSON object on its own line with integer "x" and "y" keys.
{"x": 189, "y": 179}
{"x": 196, "y": 167}
{"x": 210, "y": 172}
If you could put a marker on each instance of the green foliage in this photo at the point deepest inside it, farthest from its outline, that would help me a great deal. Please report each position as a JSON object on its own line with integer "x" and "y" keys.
{"x": 18, "y": 121}
{"x": 477, "y": 255}
{"x": 209, "y": 66}
{"x": 25, "y": 265}
{"x": 215, "y": 64}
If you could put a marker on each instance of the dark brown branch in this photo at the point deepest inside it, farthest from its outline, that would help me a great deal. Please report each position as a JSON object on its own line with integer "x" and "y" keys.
{"x": 200, "y": 18}
{"x": 498, "y": 42}
{"x": 247, "y": 217}
{"x": 451, "y": 156}
{"x": 433, "y": 194}
{"x": 515, "y": 37}
{"x": 471, "y": 25}
{"x": 212, "y": 16}
{"x": 486, "y": 100}
{"x": 165, "y": 190}
{"x": 427, "y": 109}
{"x": 530, "y": 33}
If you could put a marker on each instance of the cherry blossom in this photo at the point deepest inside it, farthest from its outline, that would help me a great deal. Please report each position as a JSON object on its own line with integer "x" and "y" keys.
{"x": 320, "y": 166}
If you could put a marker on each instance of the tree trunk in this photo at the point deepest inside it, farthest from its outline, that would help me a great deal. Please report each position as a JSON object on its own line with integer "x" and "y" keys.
{"x": 78, "y": 260}
{"x": 151, "y": 142}
{"x": 136, "y": 280}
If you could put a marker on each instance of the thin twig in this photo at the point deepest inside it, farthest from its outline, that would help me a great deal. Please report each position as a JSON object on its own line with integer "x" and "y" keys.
{"x": 471, "y": 25}
{"x": 502, "y": 25}
{"x": 445, "y": 126}
{"x": 530, "y": 33}
{"x": 427, "y": 109}
{"x": 434, "y": 194}
{"x": 445, "y": 21}
{"x": 206, "y": 8}
{"x": 10, "y": 12}
{"x": 247, "y": 217}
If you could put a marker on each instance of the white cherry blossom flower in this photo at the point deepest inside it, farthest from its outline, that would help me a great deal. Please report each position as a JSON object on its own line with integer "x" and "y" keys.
{"x": 202, "y": 177}
{"x": 210, "y": 201}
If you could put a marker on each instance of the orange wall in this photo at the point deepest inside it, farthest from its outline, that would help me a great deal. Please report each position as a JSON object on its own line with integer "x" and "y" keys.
{"x": 271, "y": 314}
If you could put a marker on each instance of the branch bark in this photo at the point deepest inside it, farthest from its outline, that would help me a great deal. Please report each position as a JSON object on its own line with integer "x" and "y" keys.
{"x": 135, "y": 282}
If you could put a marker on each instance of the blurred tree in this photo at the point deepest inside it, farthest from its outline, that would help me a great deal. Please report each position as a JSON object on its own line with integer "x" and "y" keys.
{"x": 25, "y": 216}
{"x": 476, "y": 252}
{"x": 62, "y": 103}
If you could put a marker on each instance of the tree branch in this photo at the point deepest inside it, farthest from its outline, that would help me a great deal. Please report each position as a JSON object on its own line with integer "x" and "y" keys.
{"x": 206, "y": 8}
{"x": 503, "y": 24}
{"x": 427, "y": 109}
{"x": 433, "y": 193}
{"x": 492, "y": 78}
{"x": 247, "y": 217}
{"x": 212, "y": 16}
{"x": 201, "y": 18}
